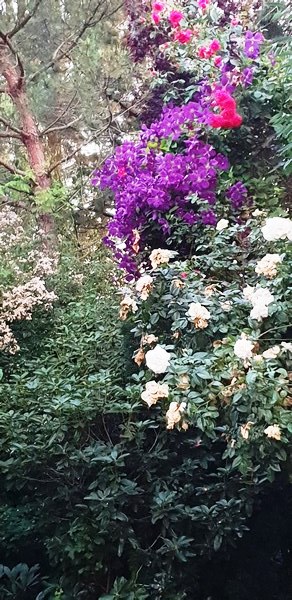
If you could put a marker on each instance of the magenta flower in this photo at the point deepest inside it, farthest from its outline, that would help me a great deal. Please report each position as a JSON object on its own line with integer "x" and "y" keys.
{"x": 183, "y": 36}
{"x": 214, "y": 46}
{"x": 203, "y": 4}
{"x": 156, "y": 18}
{"x": 158, "y": 6}
{"x": 175, "y": 17}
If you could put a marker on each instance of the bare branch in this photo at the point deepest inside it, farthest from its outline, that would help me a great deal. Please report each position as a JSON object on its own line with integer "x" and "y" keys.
{"x": 69, "y": 156}
{"x": 60, "y": 127}
{"x": 21, "y": 24}
{"x": 49, "y": 127}
{"x": 10, "y": 126}
{"x": 9, "y": 134}
{"x": 18, "y": 64}
{"x": 11, "y": 168}
{"x": 90, "y": 22}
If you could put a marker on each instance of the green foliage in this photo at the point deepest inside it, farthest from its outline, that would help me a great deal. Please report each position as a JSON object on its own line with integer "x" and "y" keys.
{"x": 19, "y": 581}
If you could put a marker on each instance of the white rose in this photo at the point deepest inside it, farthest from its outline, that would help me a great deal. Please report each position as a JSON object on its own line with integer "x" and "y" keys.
{"x": 259, "y": 311}
{"x": 267, "y": 266}
{"x": 287, "y": 346}
{"x": 263, "y": 296}
{"x": 199, "y": 315}
{"x": 277, "y": 228}
{"x": 248, "y": 292}
{"x": 272, "y": 352}
{"x": 157, "y": 359}
{"x": 273, "y": 432}
{"x": 243, "y": 348}
{"x": 222, "y": 224}
{"x": 154, "y": 391}
{"x": 144, "y": 286}
{"x": 226, "y": 306}
{"x": 257, "y": 212}
{"x": 161, "y": 256}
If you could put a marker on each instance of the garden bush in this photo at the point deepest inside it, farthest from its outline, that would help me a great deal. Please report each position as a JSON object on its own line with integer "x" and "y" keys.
{"x": 146, "y": 410}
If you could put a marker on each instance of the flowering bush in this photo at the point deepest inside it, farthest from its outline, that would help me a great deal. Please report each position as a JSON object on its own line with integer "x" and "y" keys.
{"x": 213, "y": 336}
{"x": 25, "y": 266}
{"x": 172, "y": 183}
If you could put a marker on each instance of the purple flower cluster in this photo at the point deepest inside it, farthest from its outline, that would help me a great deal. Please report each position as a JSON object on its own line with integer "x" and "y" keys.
{"x": 237, "y": 194}
{"x": 154, "y": 187}
{"x": 252, "y": 44}
{"x": 176, "y": 120}
{"x": 247, "y": 76}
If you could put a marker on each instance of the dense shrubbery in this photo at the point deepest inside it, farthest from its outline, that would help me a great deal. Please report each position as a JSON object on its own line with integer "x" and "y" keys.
{"x": 133, "y": 450}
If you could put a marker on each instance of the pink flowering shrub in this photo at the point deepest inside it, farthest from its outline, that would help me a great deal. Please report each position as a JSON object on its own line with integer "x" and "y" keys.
{"x": 25, "y": 266}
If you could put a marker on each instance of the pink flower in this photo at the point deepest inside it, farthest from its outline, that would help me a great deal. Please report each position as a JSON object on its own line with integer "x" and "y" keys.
{"x": 158, "y": 7}
{"x": 203, "y": 4}
{"x": 202, "y": 52}
{"x": 225, "y": 100}
{"x": 214, "y": 46}
{"x": 183, "y": 36}
{"x": 175, "y": 18}
{"x": 156, "y": 18}
{"x": 217, "y": 61}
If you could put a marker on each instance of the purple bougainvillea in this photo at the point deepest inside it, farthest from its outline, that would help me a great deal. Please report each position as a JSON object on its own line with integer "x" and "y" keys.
{"x": 169, "y": 176}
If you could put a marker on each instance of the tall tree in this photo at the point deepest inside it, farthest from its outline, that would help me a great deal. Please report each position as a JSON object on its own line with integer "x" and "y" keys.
{"x": 53, "y": 94}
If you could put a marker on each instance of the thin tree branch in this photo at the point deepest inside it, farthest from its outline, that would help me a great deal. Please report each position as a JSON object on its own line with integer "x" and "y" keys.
{"x": 24, "y": 21}
{"x": 10, "y": 126}
{"x": 90, "y": 22}
{"x": 60, "y": 127}
{"x": 63, "y": 113}
{"x": 69, "y": 156}
{"x": 9, "y": 134}
{"x": 11, "y": 168}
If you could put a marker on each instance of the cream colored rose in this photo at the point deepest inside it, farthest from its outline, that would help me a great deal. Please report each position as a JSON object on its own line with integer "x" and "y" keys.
{"x": 173, "y": 415}
{"x": 226, "y": 306}
{"x": 277, "y": 228}
{"x": 273, "y": 432}
{"x": 260, "y": 299}
{"x": 222, "y": 224}
{"x": 257, "y": 213}
{"x": 199, "y": 315}
{"x": 161, "y": 256}
{"x": 127, "y": 305}
{"x": 157, "y": 359}
{"x": 210, "y": 290}
{"x": 267, "y": 266}
{"x": 243, "y": 348}
{"x": 154, "y": 391}
{"x": 144, "y": 286}
{"x": 139, "y": 357}
{"x": 149, "y": 338}
{"x": 183, "y": 382}
{"x": 244, "y": 429}
{"x": 272, "y": 352}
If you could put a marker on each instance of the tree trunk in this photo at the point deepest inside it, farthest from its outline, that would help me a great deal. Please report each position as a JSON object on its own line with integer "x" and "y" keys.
{"x": 29, "y": 133}
{"x": 11, "y": 69}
